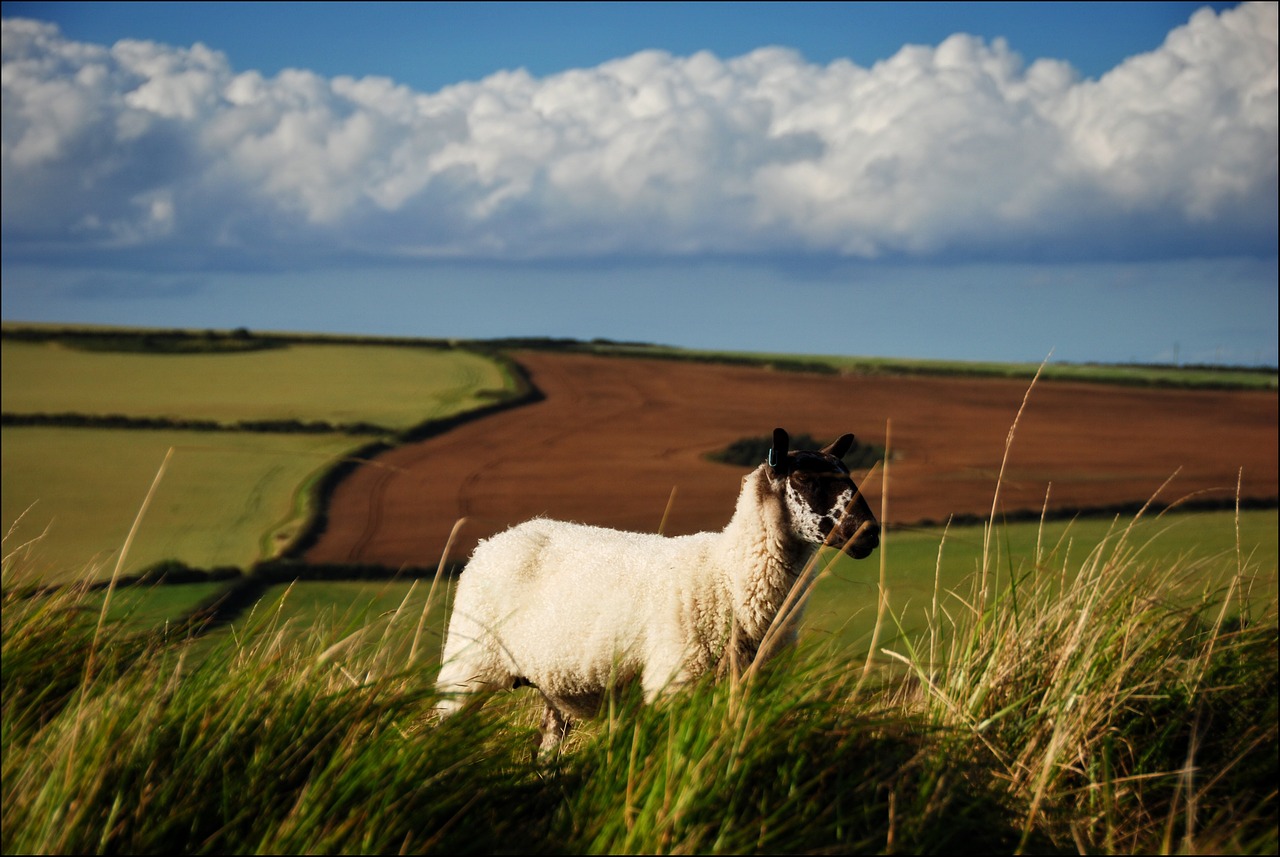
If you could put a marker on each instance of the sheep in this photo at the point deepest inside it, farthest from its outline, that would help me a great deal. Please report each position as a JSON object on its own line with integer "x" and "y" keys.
{"x": 575, "y": 610}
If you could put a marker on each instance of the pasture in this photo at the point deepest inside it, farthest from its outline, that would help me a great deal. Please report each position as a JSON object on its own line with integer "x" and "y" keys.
{"x": 227, "y": 498}
{"x": 391, "y": 386}
{"x": 1193, "y": 555}
{"x": 1141, "y": 375}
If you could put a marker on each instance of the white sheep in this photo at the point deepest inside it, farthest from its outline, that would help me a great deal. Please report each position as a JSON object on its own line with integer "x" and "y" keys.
{"x": 575, "y": 610}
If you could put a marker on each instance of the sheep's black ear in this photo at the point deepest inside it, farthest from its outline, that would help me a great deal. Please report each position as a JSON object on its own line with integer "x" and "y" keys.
{"x": 778, "y": 455}
{"x": 840, "y": 446}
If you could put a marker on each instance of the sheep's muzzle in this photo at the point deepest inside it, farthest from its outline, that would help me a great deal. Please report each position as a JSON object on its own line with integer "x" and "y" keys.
{"x": 856, "y": 531}
{"x": 865, "y": 539}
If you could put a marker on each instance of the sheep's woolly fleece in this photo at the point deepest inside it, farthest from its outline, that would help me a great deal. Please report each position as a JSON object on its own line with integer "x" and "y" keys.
{"x": 575, "y": 610}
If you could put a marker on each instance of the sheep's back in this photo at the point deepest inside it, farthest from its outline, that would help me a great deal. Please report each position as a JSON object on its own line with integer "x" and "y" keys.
{"x": 575, "y": 606}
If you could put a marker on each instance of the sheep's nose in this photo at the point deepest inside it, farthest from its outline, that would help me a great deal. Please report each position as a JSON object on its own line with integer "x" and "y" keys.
{"x": 872, "y": 533}
{"x": 864, "y": 540}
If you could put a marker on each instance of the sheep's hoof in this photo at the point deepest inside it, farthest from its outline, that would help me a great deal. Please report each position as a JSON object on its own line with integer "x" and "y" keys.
{"x": 555, "y": 726}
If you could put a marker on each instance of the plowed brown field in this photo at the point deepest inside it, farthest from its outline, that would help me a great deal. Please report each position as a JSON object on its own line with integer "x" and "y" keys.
{"x": 614, "y": 437}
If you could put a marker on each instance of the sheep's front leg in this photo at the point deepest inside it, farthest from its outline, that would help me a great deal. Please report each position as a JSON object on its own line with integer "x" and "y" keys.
{"x": 555, "y": 726}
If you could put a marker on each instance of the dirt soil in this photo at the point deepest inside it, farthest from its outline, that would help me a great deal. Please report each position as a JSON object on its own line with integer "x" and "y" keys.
{"x": 617, "y": 439}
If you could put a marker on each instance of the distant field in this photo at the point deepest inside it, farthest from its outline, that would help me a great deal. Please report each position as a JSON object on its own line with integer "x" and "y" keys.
{"x": 1140, "y": 375}
{"x": 1225, "y": 377}
{"x": 224, "y": 500}
{"x": 227, "y": 498}
{"x": 233, "y": 498}
{"x": 396, "y": 387}
{"x": 613, "y": 436}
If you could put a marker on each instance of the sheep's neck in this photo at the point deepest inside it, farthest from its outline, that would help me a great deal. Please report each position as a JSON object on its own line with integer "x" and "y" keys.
{"x": 766, "y": 557}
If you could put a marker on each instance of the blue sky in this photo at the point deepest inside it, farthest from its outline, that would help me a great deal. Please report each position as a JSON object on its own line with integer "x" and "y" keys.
{"x": 956, "y": 180}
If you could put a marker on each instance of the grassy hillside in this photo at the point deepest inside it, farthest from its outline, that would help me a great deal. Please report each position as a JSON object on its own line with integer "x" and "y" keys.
{"x": 1103, "y": 715}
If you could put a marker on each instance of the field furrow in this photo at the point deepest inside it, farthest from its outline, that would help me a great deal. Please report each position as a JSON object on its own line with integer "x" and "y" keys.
{"x": 614, "y": 437}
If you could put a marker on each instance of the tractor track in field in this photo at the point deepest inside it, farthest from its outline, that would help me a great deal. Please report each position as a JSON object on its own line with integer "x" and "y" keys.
{"x": 373, "y": 514}
{"x": 612, "y": 437}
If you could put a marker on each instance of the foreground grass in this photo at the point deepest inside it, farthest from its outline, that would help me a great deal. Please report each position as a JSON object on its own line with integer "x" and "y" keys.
{"x": 1122, "y": 718}
{"x": 1101, "y": 713}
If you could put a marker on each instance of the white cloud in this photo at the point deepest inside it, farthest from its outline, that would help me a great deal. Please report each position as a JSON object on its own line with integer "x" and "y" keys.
{"x": 954, "y": 149}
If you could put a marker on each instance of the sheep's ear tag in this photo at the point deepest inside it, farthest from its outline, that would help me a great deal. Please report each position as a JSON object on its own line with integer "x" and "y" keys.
{"x": 778, "y": 452}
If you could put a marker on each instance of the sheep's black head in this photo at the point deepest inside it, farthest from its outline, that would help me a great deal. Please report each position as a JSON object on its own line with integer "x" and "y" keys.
{"x": 824, "y": 504}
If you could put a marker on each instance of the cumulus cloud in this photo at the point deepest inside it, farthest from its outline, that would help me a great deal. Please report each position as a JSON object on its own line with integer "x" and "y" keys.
{"x": 959, "y": 149}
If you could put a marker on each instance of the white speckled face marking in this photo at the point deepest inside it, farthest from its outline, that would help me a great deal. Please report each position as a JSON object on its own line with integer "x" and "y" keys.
{"x": 823, "y": 504}
{"x": 810, "y": 523}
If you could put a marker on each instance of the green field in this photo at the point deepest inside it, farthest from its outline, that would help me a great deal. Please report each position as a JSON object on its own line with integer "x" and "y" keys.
{"x": 373, "y": 616}
{"x": 226, "y": 498}
{"x": 842, "y": 610}
{"x": 1197, "y": 548}
{"x": 1216, "y": 377}
{"x": 396, "y": 387}
{"x": 153, "y": 606}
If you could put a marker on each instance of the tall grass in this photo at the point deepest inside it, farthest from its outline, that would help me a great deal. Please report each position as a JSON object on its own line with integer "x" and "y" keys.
{"x": 1121, "y": 718}
{"x": 1083, "y": 709}
{"x": 265, "y": 744}
{"x": 1066, "y": 705}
